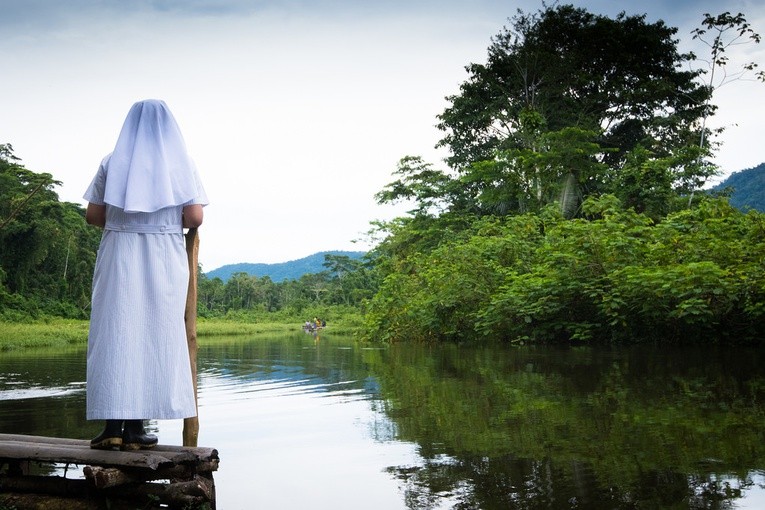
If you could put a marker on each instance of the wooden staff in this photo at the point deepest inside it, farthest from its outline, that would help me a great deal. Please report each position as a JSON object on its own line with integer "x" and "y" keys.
{"x": 191, "y": 425}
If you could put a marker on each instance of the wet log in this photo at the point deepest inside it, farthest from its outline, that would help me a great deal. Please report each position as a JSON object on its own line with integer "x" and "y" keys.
{"x": 149, "y": 500}
{"x": 16, "y": 467}
{"x": 183, "y": 494}
{"x": 118, "y": 486}
{"x": 103, "y": 478}
{"x": 199, "y": 489}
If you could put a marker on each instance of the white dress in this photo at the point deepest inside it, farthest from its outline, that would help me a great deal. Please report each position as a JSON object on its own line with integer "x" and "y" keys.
{"x": 138, "y": 363}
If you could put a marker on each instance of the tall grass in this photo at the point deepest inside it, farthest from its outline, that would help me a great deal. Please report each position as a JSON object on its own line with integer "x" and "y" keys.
{"x": 56, "y": 332}
{"x": 44, "y": 333}
{"x": 229, "y": 327}
{"x": 341, "y": 320}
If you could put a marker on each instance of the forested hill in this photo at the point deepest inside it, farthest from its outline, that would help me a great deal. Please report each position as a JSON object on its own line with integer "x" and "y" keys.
{"x": 281, "y": 271}
{"x": 748, "y": 188}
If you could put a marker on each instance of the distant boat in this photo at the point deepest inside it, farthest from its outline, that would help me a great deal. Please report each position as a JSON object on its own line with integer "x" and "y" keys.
{"x": 312, "y": 327}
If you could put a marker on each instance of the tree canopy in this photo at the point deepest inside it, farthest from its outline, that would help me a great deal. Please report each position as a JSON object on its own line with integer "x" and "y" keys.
{"x": 555, "y": 114}
{"x": 47, "y": 252}
{"x": 623, "y": 77}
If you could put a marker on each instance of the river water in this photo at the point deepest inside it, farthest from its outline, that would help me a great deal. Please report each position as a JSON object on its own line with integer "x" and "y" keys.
{"x": 327, "y": 423}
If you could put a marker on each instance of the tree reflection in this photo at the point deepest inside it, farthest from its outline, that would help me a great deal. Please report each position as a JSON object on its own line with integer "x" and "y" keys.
{"x": 580, "y": 428}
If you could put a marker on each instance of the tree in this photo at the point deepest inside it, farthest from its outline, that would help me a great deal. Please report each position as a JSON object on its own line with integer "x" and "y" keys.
{"x": 430, "y": 190}
{"x": 561, "y": 164}
{"x": 210, "y": 294}
{"x": 47, "y": 252}
{"x": 239, "y": 291}
{"x": 351, "y": 280}
{"x": 620, "y": 78}
{"x": 721, "y": 33}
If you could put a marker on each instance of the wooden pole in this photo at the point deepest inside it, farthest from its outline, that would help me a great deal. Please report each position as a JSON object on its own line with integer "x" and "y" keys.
{"x": 191, "y": 425}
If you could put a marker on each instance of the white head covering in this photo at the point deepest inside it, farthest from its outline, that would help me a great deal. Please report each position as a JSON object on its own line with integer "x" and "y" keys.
{"x": 150, "y": 168}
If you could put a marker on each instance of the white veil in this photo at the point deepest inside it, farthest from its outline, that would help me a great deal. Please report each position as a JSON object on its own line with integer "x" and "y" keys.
{"x": 150, "y": 168}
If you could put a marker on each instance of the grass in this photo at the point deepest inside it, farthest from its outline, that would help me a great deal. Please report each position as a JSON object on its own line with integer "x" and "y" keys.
{"x": 227, "y": 327}
{"x": 44, "y": 333}
{"x": 57, "y": 332}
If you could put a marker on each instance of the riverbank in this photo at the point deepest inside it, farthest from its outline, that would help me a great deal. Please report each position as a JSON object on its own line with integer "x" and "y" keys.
{"x": 56, "y": 332}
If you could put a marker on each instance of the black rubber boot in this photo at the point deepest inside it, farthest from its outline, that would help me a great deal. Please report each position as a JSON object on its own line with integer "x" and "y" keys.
{"x": 134, "y": 437}
{"x": 110, "y": 438}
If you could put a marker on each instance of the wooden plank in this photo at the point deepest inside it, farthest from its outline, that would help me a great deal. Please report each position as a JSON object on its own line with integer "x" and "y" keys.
{"x": 68, "y": 454}
{"x": 201, "y": 452}
{"x": 43, "y": 439}
{"x": 43, "y": 449}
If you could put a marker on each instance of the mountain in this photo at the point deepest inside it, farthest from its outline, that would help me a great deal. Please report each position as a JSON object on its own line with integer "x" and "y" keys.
{"x": 748, "y": 188}
{"x": 280, "y": 271}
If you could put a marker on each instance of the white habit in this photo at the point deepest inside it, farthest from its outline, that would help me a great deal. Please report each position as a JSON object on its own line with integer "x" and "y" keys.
{"x": 137, "y": 363}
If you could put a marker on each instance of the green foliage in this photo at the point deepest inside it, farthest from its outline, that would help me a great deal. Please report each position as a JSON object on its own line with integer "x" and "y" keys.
{"x": 615, "y": 275}
{"x": 555, "y": 116}
{"x": 346, "y": 283}
{"x": 582, "y": 156}
{"x": 437, "y": 295}
{"x": 419, "y": 183}
{"x": 526, "y": 179}
{"x": 47, "y": 252}
{"x": 650, "y": 185}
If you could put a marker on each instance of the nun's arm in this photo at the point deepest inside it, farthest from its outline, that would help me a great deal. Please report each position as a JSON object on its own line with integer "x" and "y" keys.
{"x": 95, "y": 214}
{"x": 192, "y": 216}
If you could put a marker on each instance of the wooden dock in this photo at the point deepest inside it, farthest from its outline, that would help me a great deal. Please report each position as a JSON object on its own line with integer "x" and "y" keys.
{"x": 161, "y": 477}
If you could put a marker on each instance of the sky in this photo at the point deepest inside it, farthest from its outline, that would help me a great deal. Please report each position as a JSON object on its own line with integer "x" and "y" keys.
{"x": 296, "y": 112}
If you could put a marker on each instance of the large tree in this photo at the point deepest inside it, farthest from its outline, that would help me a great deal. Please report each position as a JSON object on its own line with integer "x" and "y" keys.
{"x": 623, "y": 76}
{"x": 564, "y": 82}
{"x": 568, "y": 104}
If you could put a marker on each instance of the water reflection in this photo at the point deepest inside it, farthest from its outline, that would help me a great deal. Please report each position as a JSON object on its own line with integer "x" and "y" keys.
{"x": 578, "y": 428}
{"x": 302, "y": 423}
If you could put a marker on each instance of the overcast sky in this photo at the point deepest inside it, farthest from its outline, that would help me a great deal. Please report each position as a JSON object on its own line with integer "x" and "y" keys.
{"x": 296, "y": 111}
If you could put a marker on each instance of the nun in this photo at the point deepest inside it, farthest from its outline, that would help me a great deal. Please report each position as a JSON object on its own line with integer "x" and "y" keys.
{"x": 143, "y": 195}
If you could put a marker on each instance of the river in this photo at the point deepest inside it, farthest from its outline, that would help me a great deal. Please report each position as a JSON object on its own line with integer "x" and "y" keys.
{"x": 327, "y": 423}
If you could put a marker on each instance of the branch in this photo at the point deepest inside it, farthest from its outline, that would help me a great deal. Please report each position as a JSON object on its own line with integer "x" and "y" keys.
{"x": 21, "y": 205}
